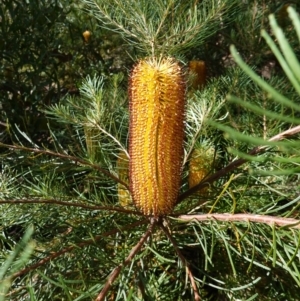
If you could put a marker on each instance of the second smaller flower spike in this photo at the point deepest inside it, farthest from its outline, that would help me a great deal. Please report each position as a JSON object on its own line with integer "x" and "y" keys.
{"x": 200, "y": 165}
{"x": 156, "y": 133}
{"x": 197, "y": 70}
{"x": 123, "y": 172}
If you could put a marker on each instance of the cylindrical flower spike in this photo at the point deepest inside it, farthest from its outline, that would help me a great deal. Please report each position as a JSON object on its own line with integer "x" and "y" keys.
{"x": 157, "y": 101}
{"x": 201, "y": 164}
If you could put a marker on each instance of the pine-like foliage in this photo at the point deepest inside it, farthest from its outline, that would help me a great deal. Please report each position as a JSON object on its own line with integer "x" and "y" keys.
{"x": 69, "y": 227}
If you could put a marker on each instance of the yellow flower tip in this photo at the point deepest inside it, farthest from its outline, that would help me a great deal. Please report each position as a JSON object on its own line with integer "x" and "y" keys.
{"x": 156, "y": 133}
{"x": 86, "y": 35}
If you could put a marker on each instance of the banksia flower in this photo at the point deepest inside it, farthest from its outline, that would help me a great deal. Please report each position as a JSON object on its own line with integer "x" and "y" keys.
{"x": 201, "y": 164}
{"x": 198, "y": 72}
{"x": 123, "y": 172}
{"x": 157, "y": 100}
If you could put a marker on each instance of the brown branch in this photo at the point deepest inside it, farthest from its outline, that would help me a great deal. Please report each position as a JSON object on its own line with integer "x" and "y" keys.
{"x": 70, "y": 204}
{"x": 286, "y": 134}
{"x": 243, "y": 217}
{"x": 115, "y": 273}
{"x": 3, "y": 124}
{"x": 70, "y": 248}
{"x": 68, "y": 157}
{"x": 235, "y": 164}
{"x": 184, "y": 261}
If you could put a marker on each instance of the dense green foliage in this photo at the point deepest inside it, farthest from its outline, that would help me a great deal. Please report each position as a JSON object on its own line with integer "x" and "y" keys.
{"x": 64, "y": 122}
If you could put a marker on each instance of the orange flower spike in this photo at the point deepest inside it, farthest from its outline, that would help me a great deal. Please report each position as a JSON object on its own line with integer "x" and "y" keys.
{"x": 157, "y": 100}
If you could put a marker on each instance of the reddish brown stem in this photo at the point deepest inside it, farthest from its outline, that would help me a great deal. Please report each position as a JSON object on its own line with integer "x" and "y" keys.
{"x": 243, "y": 217}
{"x": 70, "y": 204}
{"x": 70, "y": 248}
{"x": 115, "y": 273}
{"x": 3, "y": 124}
{"x": 235, "y": 164}
{"x": 77, "y": 160}
{"x": 185, "y": 263}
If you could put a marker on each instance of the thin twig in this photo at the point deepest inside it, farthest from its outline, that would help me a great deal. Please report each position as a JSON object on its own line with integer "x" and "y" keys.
{"x": 3, "y": 124}
{"x": 68, "y": 157}
{"x": 235, "y": 164}
{"x": 243, "y": 217}
{"x": 115, "y": 273}
{"x": 184, "y": 261}
{"x": 69, "y": 204}
{"x": 70, "y": 248}
{"x": 113, "y": 138}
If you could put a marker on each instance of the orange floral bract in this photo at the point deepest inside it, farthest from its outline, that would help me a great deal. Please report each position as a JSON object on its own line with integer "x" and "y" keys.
{"x": 157, "y": 100}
